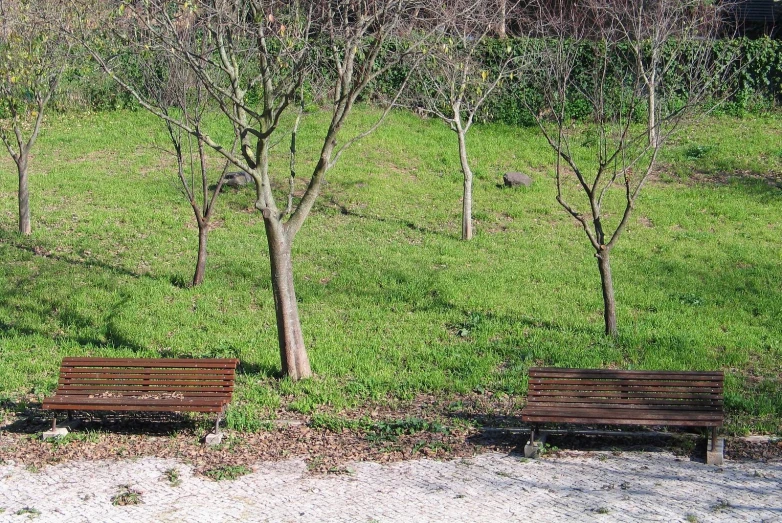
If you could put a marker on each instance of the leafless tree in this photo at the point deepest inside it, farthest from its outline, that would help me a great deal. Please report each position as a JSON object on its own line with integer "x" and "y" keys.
{"x": 176, "y": 92}
{"x": 456, "y": 79}
{"x": 34, "y": 57}
{"x": 652, "y": 67}
{"x": 257, "y": 56}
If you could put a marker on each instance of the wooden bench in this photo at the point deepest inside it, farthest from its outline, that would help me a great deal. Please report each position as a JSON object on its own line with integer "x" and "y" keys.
{"x": 130, "y": 384}
{"x": 625, "y": 397}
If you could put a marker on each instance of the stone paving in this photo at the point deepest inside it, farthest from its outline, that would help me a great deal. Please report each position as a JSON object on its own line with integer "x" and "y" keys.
{"x": 594, "y": 486}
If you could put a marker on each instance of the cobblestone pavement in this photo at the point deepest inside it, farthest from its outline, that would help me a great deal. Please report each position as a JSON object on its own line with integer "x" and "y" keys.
{"x": 492, "y": 487}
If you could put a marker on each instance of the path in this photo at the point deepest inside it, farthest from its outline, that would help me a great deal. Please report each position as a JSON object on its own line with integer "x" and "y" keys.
{"x": 595, "y": 486}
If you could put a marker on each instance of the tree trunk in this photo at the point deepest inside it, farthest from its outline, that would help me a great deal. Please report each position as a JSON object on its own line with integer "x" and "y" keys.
{"x": 467, "y": 197}
{"x": 501, "y": 33}
{"x": 609, "y": 303}
{"x": 25, "y": 226}
{"x": 203, "y": 230}
{"x": 293, "y": 353}
{"x": 652, "y": 122}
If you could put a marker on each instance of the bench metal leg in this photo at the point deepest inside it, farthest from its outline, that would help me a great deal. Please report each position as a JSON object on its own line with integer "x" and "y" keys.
{"x": 55, "y": 432}
{"x": 216, "y": 437}
{"x": 536, "y": 440}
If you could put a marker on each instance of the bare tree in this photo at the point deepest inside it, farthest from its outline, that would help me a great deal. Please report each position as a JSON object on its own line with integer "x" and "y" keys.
{"x": 456, "y": 78}
{"x": 34, "y": 57}
{"x": 660, "y": 34}
{"x": 648, "y": 74}
{"x": 175, "y": 91}
{"x": 256, "y": 58}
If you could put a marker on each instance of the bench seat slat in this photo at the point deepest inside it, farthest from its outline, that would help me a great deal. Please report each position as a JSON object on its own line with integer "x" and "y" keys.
{"x": 148, "y": 381}
{"x": 118, "y": 393}
{"x": 598, "y": 405}
{"x": 555, "y": 372}
{"x": 627, "y": 388}
{"x": 146, "y": 407}
{"x": 612, "y": 394}
{"x": 538, "y": 382}
{"x": 98, "y": 390}
{"x": 119, "y": 371}
{"x": 603, "y": 413}
{"x": 128, "y": 400}
{"x": 624, "y": 421}
{"x": 218, "y": 363}
{"x": 564, "y": 400}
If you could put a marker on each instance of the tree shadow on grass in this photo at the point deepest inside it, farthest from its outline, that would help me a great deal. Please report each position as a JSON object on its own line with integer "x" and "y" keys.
{"x": 765, "y": 187}
{"x": 49, "y": 306}
{"x": 39, "y": 249}
{"x": 260, "y": 370}
{"x": 345, "y": 211}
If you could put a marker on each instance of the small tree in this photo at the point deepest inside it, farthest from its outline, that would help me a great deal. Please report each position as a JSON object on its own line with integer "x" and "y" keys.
{"x": 651, "y": 67}
{"x": 257, "y": 56}
{"x": 34, "y": 57}
{"x": 179, "y": 96}
{"x": 457, "y": 78}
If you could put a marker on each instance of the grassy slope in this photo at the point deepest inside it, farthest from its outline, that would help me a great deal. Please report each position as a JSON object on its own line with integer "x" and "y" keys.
{"x": 392, "y": 302}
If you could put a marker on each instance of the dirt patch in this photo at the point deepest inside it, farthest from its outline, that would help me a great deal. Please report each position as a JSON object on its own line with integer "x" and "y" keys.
{"x": 646, "y": 222}
{"x": 739, "y": 449}
{"x": 428, "y": 426}
{"x": 772, "y": 179}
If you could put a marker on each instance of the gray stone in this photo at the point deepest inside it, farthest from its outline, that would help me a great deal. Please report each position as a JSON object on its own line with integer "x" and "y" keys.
{"x": 715, "y": 456}
{"x": 532, "y": 450}
{"x": 213, "y": 439}
{"x": 237, "y": 179}
{"x": 516, "y": 180}
{"x": 59, "y": 432}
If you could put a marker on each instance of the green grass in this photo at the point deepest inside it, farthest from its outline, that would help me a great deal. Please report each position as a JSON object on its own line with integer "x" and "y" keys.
{"x": 227, "y": 472}
{"x": 393, "y": 304}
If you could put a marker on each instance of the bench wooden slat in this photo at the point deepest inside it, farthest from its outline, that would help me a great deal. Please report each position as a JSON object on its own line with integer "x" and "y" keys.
{"x": 221, "y": 363}
{"x": 87, "y": 371}
{"x": 67, "y": 388}
{"x": 610, "y": 394}
{"x": 539, "y": 382}
{"x": 556, "y": 372}
{"x": 562, "y": 400}
{"x": 142, "y": 400}
{"x": 629, "y": 389}
{"x": 185, "y": 393}
{"x": 625, "y": 421}
{"x": 614, "y": 405}
{"x": 603, "y": 413}
{"x": 145, "y": 408}
{"x": 148, "y": 381}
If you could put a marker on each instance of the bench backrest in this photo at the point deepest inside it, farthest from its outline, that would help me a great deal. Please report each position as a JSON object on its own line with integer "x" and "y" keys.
{"x": 207, "y": 378}
{"x": 603, "y": 388}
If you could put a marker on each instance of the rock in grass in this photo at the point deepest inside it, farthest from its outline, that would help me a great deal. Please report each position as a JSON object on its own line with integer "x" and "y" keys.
{"x": 516, "y": 180}
{"x": 237, "y": 179}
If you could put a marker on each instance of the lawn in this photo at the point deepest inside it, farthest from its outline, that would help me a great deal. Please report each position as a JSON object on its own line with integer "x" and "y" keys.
{"x": 393, "y": 304}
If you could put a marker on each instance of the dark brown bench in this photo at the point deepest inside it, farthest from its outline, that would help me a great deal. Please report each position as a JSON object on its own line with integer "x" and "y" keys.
{"x": 624, "y": 397}
{"x": 132, "y": 384}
